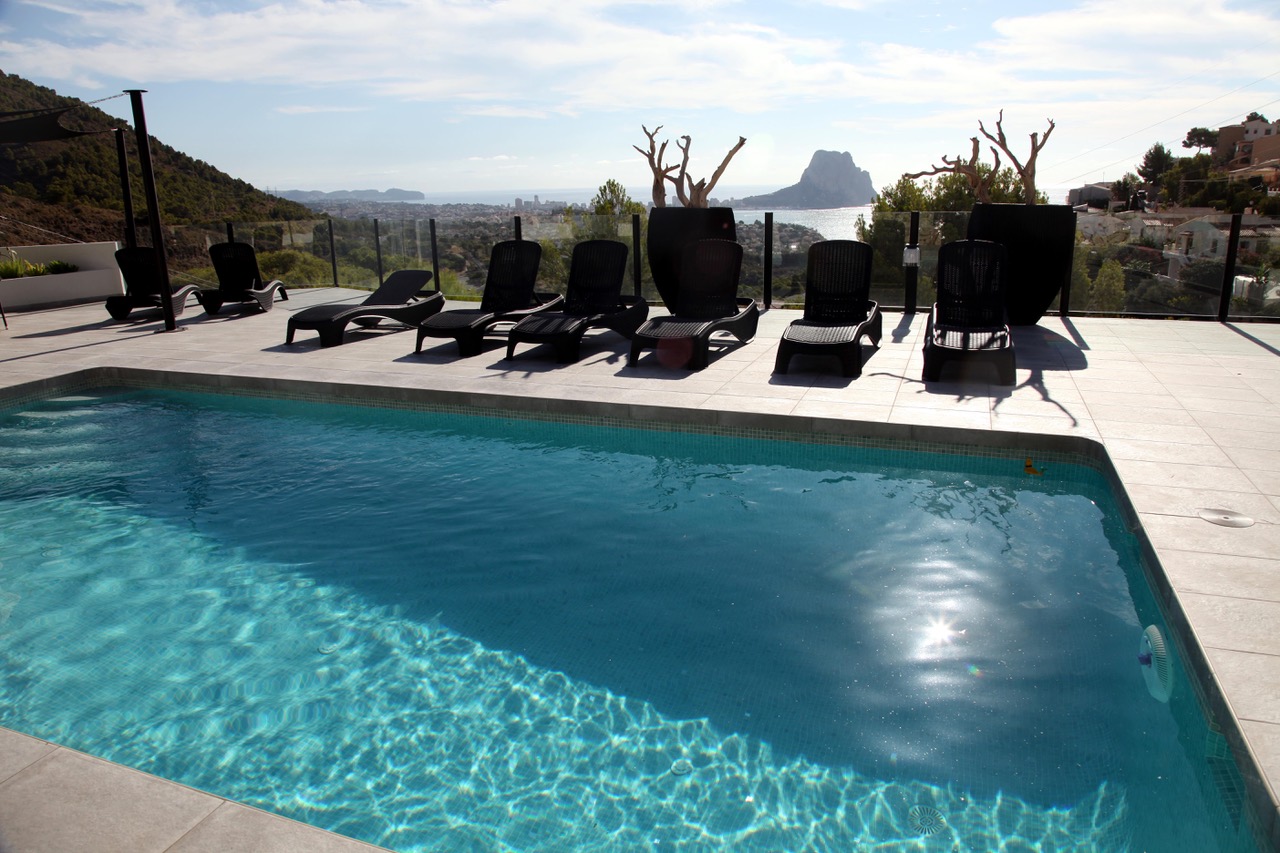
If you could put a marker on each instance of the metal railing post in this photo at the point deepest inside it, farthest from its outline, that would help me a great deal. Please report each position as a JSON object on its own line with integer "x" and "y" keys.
{"x": 911, "y": 266}
{"x": 435, "y": 256}
{"x": 153, "y": 208}
{"x": 516, "y": 226}
{"x": 377, "y": 248}
{"x": 130, "y": 224}
{"x": 231, "y": 233}
{"x": 1229, "y": 269}
{"x": 636, "y": 270}
{"x": 768, "y": 260}
{"x": 333, "y": 253}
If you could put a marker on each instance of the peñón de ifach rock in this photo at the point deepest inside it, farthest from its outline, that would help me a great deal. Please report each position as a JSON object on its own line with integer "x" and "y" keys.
{"x": 831, "y": 180}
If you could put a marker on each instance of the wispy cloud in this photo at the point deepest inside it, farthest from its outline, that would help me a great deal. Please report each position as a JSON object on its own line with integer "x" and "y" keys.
{"x": 307, "y": 110}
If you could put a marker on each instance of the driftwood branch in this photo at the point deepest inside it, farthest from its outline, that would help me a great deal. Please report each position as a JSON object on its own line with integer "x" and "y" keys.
{"x": 979, "y": 183}
{"x": 690, "y": 193}
{"x": 1026, "y": 171}
{"x": 655, "y": 155}
{"x": 703, "y": 197}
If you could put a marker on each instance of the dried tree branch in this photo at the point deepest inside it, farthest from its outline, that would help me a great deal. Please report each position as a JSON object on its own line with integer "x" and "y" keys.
{"x": 689, "y": 192}
{"x": 1026, "y": 172}
{"x": 979, "y": 183}
{"x": 655, "y": 156}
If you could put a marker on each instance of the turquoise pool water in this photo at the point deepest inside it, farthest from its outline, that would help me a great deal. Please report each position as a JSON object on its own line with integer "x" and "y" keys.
{"x": 441, "y": 632}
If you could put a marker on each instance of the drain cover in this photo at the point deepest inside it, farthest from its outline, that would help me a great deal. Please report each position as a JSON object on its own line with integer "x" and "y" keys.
{"x": 1225, "y": 517}
{"x": 926, "y": 820}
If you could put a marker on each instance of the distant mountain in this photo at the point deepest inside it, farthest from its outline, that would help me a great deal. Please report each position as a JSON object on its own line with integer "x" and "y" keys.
{"x": 67, "y": 182}
{"x": 393, "y": 194}
{"x": 831, "y": 180}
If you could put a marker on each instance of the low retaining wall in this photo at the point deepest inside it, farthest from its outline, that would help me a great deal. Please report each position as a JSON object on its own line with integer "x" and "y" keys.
{"x": 97, "y": 278}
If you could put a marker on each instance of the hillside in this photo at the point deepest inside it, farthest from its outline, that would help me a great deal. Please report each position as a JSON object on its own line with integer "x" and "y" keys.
{"x": 72, "y": 187}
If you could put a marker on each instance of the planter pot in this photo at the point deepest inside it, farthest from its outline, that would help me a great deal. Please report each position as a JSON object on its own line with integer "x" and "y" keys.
{"x": 1041, "y": 242}
{"x": 670, "y": 229}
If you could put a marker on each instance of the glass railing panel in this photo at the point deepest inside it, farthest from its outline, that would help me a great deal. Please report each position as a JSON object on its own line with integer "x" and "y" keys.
{"x": 1255, "y": 290}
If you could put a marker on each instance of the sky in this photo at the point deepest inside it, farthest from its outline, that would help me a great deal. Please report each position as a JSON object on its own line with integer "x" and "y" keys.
{"x": 464, "y": 96}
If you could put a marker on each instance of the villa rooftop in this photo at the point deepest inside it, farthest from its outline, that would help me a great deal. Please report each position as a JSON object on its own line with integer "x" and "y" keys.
{"x": 1188, "y": 414}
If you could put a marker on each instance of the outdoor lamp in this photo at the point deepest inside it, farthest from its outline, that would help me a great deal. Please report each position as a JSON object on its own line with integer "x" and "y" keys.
{"x": 911, "y": 256}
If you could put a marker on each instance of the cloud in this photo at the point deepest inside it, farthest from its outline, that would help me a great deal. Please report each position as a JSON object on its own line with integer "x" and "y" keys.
{"x": 306, "y": 110}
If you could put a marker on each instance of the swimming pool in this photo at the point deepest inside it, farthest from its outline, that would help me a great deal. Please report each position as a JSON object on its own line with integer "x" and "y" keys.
{"x": 439, "y": 631}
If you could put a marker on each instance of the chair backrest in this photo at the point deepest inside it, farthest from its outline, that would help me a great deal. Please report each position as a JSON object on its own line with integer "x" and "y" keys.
{"x": 596, "y": 273}
{"x": 513, "y": 273}
{"x": 236, "y": 265}
{"x": 140, "y": 269}
{"x": 708, "y": 285}
{"x": 400, "y": 287}
{"x": 971, "y": 284}
{"x": 837, "y": 286}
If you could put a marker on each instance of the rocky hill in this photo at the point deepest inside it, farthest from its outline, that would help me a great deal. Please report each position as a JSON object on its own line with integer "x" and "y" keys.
{"x": 71, "y": 188}
{"x": 831, "y": 180}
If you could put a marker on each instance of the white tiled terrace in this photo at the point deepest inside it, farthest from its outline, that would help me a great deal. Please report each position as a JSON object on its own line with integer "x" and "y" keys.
{"x": 1187, "y": 412}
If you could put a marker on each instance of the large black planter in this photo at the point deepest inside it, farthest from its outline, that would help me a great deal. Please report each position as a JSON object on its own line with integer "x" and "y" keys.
{"x": 670, "y": 229}
{"x": 1041, "y": 241}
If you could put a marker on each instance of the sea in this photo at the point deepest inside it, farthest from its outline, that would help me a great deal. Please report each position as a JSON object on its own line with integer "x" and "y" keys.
{"x": 833, "y": 223}
{"x": 840, "y": 223}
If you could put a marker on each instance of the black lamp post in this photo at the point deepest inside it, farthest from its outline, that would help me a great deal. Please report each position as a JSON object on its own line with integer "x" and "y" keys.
{"x": 153, "y": 208}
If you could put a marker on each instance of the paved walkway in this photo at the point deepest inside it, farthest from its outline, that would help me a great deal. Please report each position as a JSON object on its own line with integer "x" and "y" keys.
{"x": 1188, "y": 412}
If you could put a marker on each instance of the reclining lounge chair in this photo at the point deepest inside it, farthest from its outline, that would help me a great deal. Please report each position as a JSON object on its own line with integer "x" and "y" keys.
{"x": 508, "y": 297}
{"x": 239, "y": 279}
{"x": 402, "y": 298}
{"x": 706, "y": 302}
{"x": 969, "y": 321}
{"x": 593, "y": 299}
{"x": 142, "y": 284}
{"x": 838, "y": 309}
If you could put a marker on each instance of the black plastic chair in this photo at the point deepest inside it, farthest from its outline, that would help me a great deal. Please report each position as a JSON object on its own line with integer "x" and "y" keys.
{"x": 969, "y": 321}
{"x": 508, "y": 297}
{"x": 707, "y": 302}
{"x": 142, "y": 289}
{"x": 838, "y": 310}
{"x": 239, "y": 279}
{"x": 593, "y": 300}
{"x": 402, "y": 298}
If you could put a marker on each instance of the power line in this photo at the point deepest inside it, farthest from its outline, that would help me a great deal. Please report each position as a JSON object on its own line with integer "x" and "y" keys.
{"x": 1168, "y": 119}
{"x": 1133, "y": 156}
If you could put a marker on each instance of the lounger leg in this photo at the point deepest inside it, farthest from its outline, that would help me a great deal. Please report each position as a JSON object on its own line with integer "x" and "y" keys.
{"x": 288, "y": 334}
{"x": 567, "y": 350}
{"x": 932, "y": 365}
{"x": 851, "y": 360}
{"x": 417, "y": 347}
{"x": 701, "y": 354}
{"x": 331, "y": 334}
{"x": 1008, "y": 371}
{"x": 783, "y": 361}
{"x": 636, "y": 346}
{"x": 470, "y": 344}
